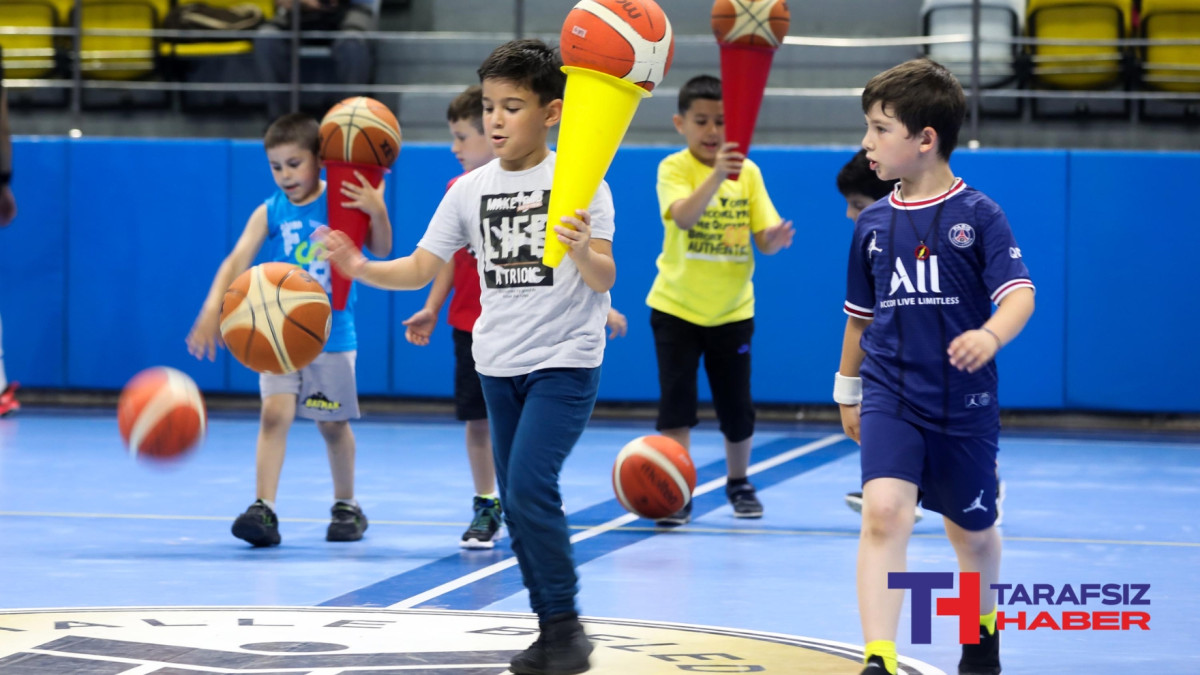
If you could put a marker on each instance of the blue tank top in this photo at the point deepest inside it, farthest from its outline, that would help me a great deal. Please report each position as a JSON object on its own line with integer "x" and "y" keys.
{"x": 289, "y": 231}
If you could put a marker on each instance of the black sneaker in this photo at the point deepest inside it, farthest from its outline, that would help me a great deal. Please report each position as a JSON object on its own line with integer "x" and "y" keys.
{"x": 744, "y": 499}
{"x": 562, "y": 648}
{"x": 258, "y": 525}
{"x": 485, "y": 526}
{"x": 681, "y": 517}
{"x": 348, "y": 523}
{"x": 875, "y": 667}
{"x": 983, "y": 658}
{"x": 854, "y": 501}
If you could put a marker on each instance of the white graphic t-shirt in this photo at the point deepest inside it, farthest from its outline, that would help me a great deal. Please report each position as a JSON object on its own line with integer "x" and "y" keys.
{"x": 534, "y": 317}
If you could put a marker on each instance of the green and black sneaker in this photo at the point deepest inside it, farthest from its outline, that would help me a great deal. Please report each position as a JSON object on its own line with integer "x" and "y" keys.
{"x": 258, "y": 525}
{"x": 484, "y": 529}
{"x": 348, "y": 523}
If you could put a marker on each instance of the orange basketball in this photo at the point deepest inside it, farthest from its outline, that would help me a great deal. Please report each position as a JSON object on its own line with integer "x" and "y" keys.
{"x": 629, "y": 39}
{"x": 653, "y": 477}
{"x": 275, "y": 318}
{"x": 360, "y": 130}
{"x": 760, "y": 23}
{"x": 161, "y": 414}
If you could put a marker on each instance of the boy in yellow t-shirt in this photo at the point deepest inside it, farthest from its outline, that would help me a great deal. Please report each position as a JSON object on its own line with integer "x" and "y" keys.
{"x": 702, "y": 301}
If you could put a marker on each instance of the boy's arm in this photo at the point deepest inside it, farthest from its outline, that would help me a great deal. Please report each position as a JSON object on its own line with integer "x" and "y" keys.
{"x": 974, "y": 349}
{"x": 420, "y": 325}
{"x": 205, "y": 334}
{"x": 593, "y": 257}
{"x": 368, "y": 199}
{"x": 401, "y": 274}
{"x": 686, "y": 212}
{"x": 775, "y": 238}
{"x": 847, "y": 388}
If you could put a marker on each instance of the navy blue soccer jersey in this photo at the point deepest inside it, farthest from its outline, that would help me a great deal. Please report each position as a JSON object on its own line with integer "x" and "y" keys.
{"x": 925, "y": 272}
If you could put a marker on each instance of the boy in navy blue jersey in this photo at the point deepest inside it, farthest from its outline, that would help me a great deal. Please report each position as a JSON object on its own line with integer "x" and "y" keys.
{"x": 917, "y": 384}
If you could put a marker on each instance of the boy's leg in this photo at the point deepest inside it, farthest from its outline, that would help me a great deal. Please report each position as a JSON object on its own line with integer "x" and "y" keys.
{"x": 352, "y": 54}
{"x": 677, "y": 345}
{"x": 329, "y": 396}
{"x": 893, "y": 457}
{"x": 471, "y": 408}
{"x": 479, "y": 456}
{"x": 961, "y": 484}
{"x": 278, "y": 412}
{"x": 727, "y": 362}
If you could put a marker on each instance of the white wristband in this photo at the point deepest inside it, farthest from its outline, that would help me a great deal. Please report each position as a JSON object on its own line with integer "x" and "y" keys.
{"x": 847, "y": 390}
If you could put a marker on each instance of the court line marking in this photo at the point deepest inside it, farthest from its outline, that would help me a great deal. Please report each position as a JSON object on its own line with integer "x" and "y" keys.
{"x": 613, "y": 524}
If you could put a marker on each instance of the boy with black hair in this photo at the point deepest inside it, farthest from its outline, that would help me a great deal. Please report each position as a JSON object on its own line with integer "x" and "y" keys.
{"x": 702, "y": 301}
{"x": 539, "y": 341}
{"x": 917, "y": 385}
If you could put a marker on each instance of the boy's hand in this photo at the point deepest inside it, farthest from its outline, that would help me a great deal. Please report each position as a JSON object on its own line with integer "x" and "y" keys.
{"x": 777, "y": 237}
{"x": 973, "y": 350}
{"x": 419, "y": 326}
{"x": 205, "y": 335}
{"x": 617, "y": 324}
{"x": 576, "y": 240}
{"x": 851, "y": 422}
{"x": 729, "y": 160}
{"x": 364, "y": 197}
{"x": 341, "y": 252}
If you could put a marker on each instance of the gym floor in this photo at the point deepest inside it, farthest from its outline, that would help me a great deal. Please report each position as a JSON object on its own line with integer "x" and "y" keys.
{"x": 110, "y": 565}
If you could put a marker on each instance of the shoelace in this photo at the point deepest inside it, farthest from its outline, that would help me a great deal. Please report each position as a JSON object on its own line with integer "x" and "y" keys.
{"x": 483, "y": 519}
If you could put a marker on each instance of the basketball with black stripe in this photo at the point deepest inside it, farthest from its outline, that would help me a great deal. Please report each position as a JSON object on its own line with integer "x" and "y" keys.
{"x": 757, "y": 23}
{"x": 360, "y": 130}
{"x": 161, "y": 414}
{"x": 275, "y": 318}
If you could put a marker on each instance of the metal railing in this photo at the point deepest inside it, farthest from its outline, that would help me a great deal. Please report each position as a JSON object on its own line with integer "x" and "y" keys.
{"x": 82, "y": 62}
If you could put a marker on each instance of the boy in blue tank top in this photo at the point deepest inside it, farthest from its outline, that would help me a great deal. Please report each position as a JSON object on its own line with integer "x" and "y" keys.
{"x": 325, "y": 390}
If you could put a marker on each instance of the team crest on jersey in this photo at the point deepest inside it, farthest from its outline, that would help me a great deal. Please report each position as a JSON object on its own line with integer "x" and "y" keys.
{"x": 962, "y": 235}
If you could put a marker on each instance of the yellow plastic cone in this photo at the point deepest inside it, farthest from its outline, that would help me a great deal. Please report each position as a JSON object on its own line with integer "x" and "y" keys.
{"x": 597, "y": 110}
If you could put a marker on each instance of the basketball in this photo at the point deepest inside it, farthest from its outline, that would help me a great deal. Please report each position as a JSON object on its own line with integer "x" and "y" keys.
{"x": 161, "y": 414}
{"x": 629, "y": 39}
{"x": 275, "y": 318}
{"x": 653, "y": 477}
{"x": 759, "y": 23}
{"x": 360, "y": 130}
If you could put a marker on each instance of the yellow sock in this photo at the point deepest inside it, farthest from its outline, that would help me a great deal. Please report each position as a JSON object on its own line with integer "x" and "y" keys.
{"x": 988, "y": 621}
{"x": 885, "y": 649}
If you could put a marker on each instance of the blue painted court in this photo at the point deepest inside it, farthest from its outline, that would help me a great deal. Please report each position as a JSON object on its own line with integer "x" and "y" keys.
{"x": 84, "y": 526}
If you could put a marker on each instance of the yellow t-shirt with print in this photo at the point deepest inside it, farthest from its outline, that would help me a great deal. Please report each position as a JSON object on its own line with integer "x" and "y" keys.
{"x": 704, "y": 274}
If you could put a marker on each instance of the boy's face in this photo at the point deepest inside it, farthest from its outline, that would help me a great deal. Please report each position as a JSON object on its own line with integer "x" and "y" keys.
{"x": 515, "y": 122}
{"x": 703, "y": 126}
{"x": 471, "y": 147}
{"x": 855, "y": 203}
{"x": 892, "y": 151}
{"x": 296, "y": 171}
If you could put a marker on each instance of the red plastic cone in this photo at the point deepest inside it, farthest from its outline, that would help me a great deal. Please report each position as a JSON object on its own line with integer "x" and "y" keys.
{"x": 353, "y": 222}
{"x": 744, "y": 71}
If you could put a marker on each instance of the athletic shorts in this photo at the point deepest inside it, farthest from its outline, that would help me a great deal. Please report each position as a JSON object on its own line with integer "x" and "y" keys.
{"x": 955, "y": 474}
{"x": 468, "y": 393}
{"x": 326, "y": 389}
{"x": 726, "y": 352}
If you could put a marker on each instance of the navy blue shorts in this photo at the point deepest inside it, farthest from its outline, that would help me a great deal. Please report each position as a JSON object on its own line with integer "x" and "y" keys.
{"x": 955, "y": 474}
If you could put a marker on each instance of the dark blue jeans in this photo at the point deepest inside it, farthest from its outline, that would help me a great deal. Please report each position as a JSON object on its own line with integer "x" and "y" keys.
{"x": 536, "y": 419}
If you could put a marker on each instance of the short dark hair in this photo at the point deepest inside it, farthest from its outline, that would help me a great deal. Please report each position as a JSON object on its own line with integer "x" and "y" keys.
{"x": 921, "y": 93}
{"x": 856, "y": 177}
{"x": 529, "y": 63}
{"x": 296, "y": 128}
{"x": 467, "y": 106}
{"x": 706, "y": 87}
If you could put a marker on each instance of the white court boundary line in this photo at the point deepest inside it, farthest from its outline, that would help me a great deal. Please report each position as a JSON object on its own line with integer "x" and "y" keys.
{"x": 613, "y": 524}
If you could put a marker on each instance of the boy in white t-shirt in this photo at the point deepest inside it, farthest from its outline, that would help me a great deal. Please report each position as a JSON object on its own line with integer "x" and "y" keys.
{"x": 539, "y": 341}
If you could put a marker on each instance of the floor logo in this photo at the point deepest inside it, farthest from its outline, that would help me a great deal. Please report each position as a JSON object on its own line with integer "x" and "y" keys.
{"x": 308, "y": 641}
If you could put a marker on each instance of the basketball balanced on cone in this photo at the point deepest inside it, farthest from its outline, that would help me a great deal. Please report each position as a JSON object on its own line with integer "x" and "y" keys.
{"x": 653, "y": 477}
{"x": 360, "y": 130}
{"x": 275, "y": 318}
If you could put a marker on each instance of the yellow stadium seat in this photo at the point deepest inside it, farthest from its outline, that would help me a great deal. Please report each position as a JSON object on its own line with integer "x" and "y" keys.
{"x": 1171, "y": 67}
{"x": 111, "y": 57}
{"x": 28, "y": 56}
{"x": 218, "y": 48}
{"x": 1078, "y": 66}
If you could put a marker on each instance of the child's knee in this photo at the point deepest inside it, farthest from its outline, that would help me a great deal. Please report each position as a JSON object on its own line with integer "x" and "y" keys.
{"x": 333, "y": 431}
{"x": 887, "y": 517}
